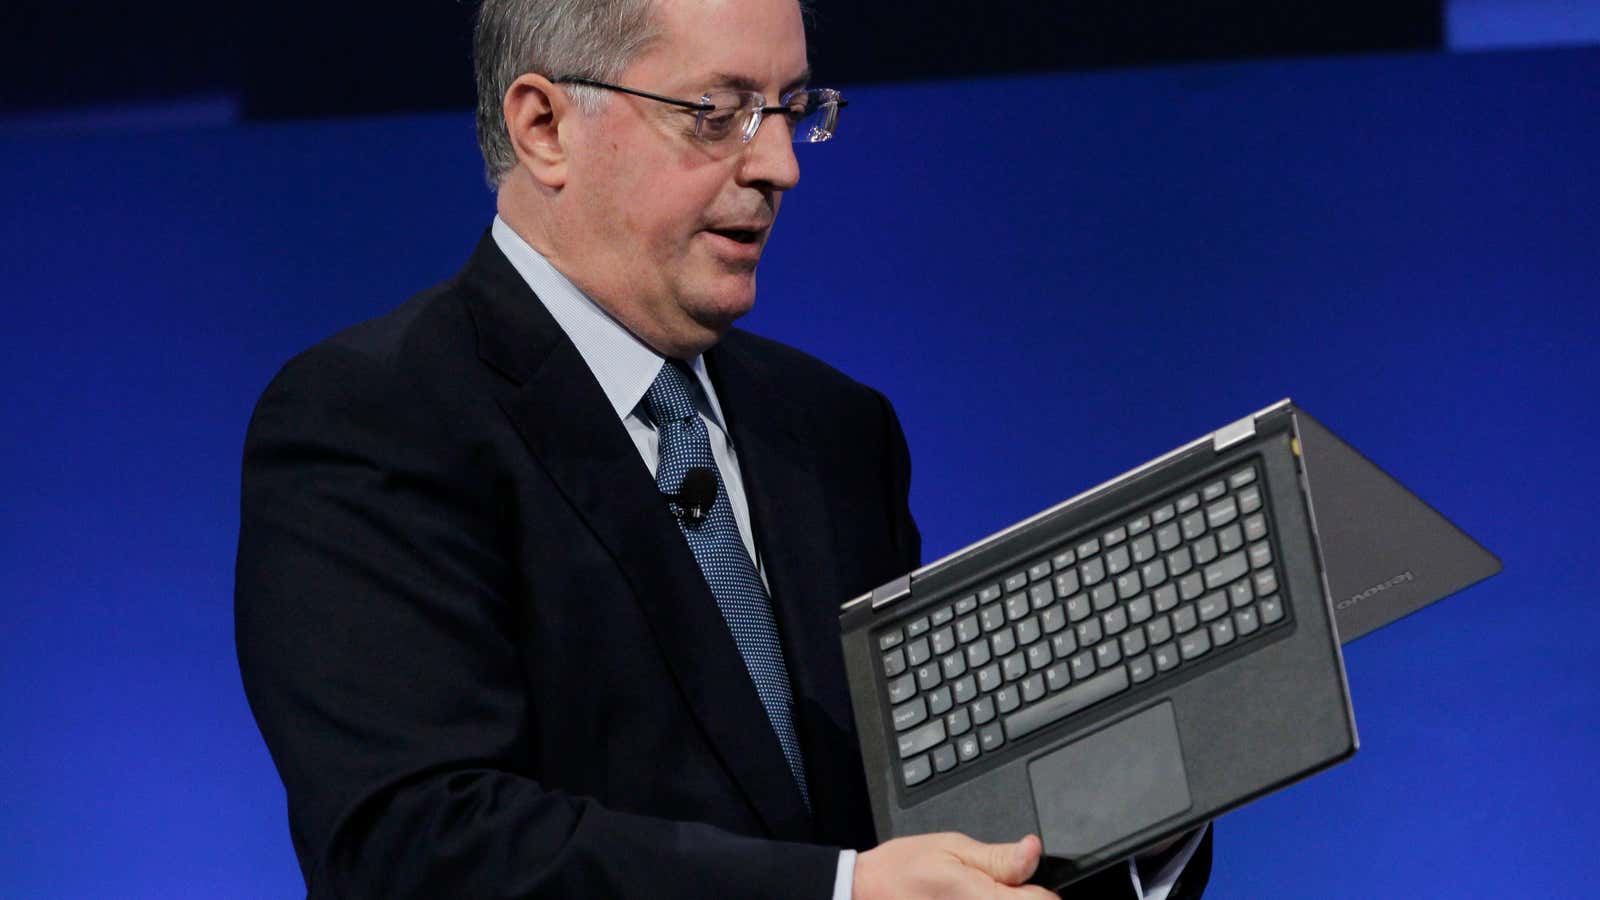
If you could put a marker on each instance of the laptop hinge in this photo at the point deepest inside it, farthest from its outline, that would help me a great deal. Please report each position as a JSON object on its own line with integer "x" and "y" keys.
{"x": 898, "y": 589}
{"x": 1228, "y": 435}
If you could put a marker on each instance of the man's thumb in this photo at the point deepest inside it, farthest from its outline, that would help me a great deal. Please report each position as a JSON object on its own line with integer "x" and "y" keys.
{"x": 1006, "y": 863}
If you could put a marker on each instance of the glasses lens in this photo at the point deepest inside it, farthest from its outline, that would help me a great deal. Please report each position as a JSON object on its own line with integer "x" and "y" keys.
{"x": 815, "y": 115}
{"x": 730, "y": 117}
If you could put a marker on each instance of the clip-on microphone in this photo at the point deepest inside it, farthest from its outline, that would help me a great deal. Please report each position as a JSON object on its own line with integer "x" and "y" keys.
{"x": 695, "y": 495}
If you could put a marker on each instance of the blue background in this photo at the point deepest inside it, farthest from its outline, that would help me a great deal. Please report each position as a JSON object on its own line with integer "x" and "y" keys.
{"x": 1054, "y": 278}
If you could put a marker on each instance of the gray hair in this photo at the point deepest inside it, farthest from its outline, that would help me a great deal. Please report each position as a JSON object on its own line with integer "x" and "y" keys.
{"x": 592, "y": 38}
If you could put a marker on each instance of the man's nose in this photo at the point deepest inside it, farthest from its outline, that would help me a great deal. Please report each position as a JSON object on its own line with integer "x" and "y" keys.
{"x": 769, "y": 157}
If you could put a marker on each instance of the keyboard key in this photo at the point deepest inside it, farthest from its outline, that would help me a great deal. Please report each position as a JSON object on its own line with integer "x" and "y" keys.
{"x": 1153, "y": 573}
{"x": 1058, "y": 676}
{"x": 1167, "y": 537}
{"x": 978, "y": 654}
{"x": 966, "y": 604}
{"x": 1063, "y": 559}
{"x": 1212, "y": 606}
{"x": 1007, "y": 699}
{"x": 1039, "y": 571}
{"x": 1166, "y": 656}
{"x": 1016, "y": 606}
{"x": 1040, "y": 596}
{"x": 1213, "y": 490}
{"x": 1053, "y": 620}
{"x": 1117, "y": 560}
{"x": 1064, "y": 644}
{"x": 1140, "y": 668}
{"x": 1133, "y": 642}
{"x": 1244, "y": 622}
{"x": 1249, "y": 500}
{"x": 1222, "y": 633}
{"x": 1179, "y": 562}
{"x": 992, "y": 617}
{"x": 1016, "y": 581}
{"x": 989, "y": 594}
{"x": 944, "y": 640}
{"x": 1222, "y": 512}
{"x": 1139, "y": 525}
{"x": 1093, "y": 571}
{"x": 991, "y": 738}
{"x": 1014, "y": 666}
{"x": 1184, "y": 619}
{"x": 1128, "y": 584}
{"x": 939, "y": 701}
{"x": 1082, "y": 665}
{"x": 1003, "y": 641}
{"x": 1193, "y": 525}
{"x": 942, "y": 617}
{"x": 921, "y": 739}
{"x": 1260, "y": 555}
{"x": 902, "y": 689}
{"x": 1204, "y": 550}
{"x": 1089, "y": 548}
{"x": 1114, "y": 536}
{"x": 1089, "y": 632}
{"x": 953, "y": 665}
{"x": 910, "y": 714}
{"x": 928, "y": 676}
{"x": 1032, "y": 688}
{"x": 1255, "y": 527}
{"x": 894, "y": 662}
{"x": 1166, "y": 597}
{"x": 890, "y": 639}
{"x": 1162, "y": 515}
{"x": 1188, "y": 502}
{"x": 1159, "y": 631}
{"x": 1139, "y": 610}
{"x": 1194, "y": 644}
{"x": 1230, "y": 538}
{"x": 958, "y": 722}
{"x": 1271, "y": 610}
{"x": 964, "y": 689}
{"x": 1064, "y": 704}
{"x": 1066, "y": 583}
{"x": 944, "y": 758}
{"x": 982, "y": 711}
{"x": 917, "y": 627}
{"x": 1028, "y": 631}
{"x": 1239, "y": 593}
{"x": 967, "y": 630}
{"x": 1107, "y": 655}
{"x": 1225, "y": 570}
{"x": 1191, "y": 586}
{"x": 1038, "y": 656}
{"x": 1266, "y": 582}
{"x": 1241, "y": 478}
{"x": 1115, "y": 622}
{"x": 1143, "y": 549}
{"x": 967, "y": 748}
{"x": 1103, "y": 597}
{"x": 1078, "y": 607}
{"x": 918, "y": 652}
{"x": 916, "y": 771}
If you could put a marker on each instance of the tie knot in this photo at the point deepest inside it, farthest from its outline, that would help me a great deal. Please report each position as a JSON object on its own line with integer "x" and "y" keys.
{"x": 671, "y": 396}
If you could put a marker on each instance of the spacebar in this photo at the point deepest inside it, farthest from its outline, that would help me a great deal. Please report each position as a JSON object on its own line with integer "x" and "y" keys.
{"x": 1069, "y": 701}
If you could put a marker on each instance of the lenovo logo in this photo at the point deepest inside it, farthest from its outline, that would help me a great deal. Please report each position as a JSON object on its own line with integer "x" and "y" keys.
{"x": 1402, "y": 578}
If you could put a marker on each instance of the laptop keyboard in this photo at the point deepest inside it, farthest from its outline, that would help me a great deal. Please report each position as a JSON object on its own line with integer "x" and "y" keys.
{"x": 1127, "y": 606}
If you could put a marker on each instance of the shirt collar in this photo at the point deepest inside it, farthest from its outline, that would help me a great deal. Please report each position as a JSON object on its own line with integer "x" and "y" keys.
{"x": 624, "y": 365}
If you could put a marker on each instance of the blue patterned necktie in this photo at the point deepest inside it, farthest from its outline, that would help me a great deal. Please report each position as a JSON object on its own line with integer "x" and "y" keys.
{"x": 684, "y": 444}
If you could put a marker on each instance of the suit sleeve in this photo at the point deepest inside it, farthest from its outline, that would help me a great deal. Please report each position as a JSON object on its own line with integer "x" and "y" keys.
{"x": 374, "y": 621}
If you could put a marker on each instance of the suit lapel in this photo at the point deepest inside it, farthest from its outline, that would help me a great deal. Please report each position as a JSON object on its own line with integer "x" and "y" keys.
{"x": 795, "y": 538}
{"x": 568, "y": 425}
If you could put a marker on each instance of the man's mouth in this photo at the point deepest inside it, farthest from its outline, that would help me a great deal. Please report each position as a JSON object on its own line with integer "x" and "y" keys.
{"x": 740, "y": 235}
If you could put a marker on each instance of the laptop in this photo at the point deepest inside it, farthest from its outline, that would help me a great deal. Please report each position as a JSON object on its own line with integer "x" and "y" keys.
{"x": 1145, "y": 656}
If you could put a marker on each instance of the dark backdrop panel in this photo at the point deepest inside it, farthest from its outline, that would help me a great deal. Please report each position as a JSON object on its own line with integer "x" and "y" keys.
{"x": 1055, "y": 279}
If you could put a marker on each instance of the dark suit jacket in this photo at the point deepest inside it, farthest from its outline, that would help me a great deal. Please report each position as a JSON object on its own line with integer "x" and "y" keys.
{"x": 480, "y": 651}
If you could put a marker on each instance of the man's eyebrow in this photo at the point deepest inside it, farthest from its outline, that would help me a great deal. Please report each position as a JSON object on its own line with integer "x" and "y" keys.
{"x": 746, "y": 83}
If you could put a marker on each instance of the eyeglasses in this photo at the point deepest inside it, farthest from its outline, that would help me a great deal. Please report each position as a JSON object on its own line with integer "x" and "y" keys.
{"x": 812, "y": 114}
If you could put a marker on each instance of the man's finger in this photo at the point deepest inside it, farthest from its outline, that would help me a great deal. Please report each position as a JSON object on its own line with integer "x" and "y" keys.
{"x": 1006, "y": 863}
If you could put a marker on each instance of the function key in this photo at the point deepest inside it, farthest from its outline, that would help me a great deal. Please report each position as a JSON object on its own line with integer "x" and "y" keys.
{"x": 1241, "y": 478}
{"x": 1163, "y": 514}
{"x": 890, "y": 639}
{"x": 1016, "y": 581}
{"x": 1115, "y": 536}
{"x": 966, "y": 604}
{"x": 917, "y": 627}
{"x": 942, "y": 617}
{"x": 989, "y": 594}
{"x": 1089, "y": 547}
{"x": 1250, "y": 499}
{"x": 1139, "y": 525}
{"x": 1039, "y": 571}
{"x": 1063, "y": 559}
{"x": 1213, "y": 490}
{"x": 1188, "y": 502}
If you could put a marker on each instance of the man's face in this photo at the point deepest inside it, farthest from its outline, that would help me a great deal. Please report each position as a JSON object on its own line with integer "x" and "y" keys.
{"x": 676, "y": 225}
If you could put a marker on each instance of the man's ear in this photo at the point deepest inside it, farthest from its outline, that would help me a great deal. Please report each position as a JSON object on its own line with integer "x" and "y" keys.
{"x": 534, "y": 110}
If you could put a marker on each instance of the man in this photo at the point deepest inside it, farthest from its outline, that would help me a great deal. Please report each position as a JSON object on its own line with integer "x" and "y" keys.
{"x": 489, "y": 657}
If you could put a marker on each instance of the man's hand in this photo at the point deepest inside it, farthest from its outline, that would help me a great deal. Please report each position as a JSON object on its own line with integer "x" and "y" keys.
{"x": 948, "y": 865}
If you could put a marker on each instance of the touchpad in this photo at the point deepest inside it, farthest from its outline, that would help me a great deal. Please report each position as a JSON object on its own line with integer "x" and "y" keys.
{"x": 1101, "y": 788}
